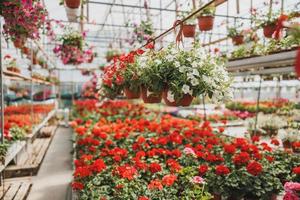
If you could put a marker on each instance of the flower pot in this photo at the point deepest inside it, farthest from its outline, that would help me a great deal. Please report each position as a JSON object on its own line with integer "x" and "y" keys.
{"x": 72, "y": 3}
{"x": 72, "y": 14}
{"x": 132, "y": 94}
{"x": 25, "y": 50}
{"x": 295, "y": 149}
{"x": 238, "y": 40}
{"x": 19, "y": 43}
{"x": 189, "y": 30}
{"x": 217, "y": 197}
{"x": 286, "y": 144}
{"x": 150, "y": 97}
{"x": 205, "y": 23}
{"x": 186, "y": 100}
{"x": 269, "y": 30}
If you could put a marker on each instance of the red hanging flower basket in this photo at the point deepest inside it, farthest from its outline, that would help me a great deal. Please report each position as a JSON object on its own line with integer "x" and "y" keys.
{"x": 130, "y": 94}
{"x": 206, "y": 23}
{"x": 189, "y": 30}
{"x": 269, "y": 30}
{"x": 238, "y": 40}
{"x": 73, "y": 3}
{"x": 150, "y": 98}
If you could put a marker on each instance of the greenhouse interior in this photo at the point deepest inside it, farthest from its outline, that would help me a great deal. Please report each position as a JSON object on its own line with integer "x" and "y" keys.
{"x": 150, "y": 99}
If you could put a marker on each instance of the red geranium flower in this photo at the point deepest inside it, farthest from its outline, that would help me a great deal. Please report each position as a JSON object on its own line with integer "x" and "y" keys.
{"x": 254, "y": 168}
{"x": 77, "y": 186}
{"x": 155, "y": 184}
{"x": 230, "y": 149}
{"x": 203, "y": 169}
{"x": 168, "y": 180}
{"x": 143, "y": 198}
{"x": 241, "y": 158}
{"x": 154, "y": 167}
{"x": 222, "y": 170}
{"x": 296, "y": 170}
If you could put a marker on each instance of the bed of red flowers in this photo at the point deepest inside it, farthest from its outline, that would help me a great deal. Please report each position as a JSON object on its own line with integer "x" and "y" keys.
{"x": 124, "y": 151}
{"x": 28, "y": 108}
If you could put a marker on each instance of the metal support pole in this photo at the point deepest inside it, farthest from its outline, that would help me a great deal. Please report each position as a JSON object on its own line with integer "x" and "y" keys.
{"x": 257, "y": 105}
{"x": 1, "y": 87}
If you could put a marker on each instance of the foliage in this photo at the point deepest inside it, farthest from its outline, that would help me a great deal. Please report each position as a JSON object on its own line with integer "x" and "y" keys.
{"x": 132, "y": 157}
{"x": 208, "y": 11}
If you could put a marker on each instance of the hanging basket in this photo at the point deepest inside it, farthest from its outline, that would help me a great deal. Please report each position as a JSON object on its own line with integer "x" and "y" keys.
{"x": 269, "y": 30}
{"x": 189, "y": 30}
{"x": 72, "y": 3}
{"x": 238, "y": 40}
{"x": 72, "y": 14}
{"x": 150, "y": 97}
{"x": 206, "y": 23}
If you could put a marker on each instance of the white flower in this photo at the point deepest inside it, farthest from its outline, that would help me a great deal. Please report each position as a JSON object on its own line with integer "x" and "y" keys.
{"x": 186, "y": 89}
{"x": 170, "y": 96}
{"x": 177, "y": 64}
{"x": 181, "y": 69}
{"x": 194, "y": 82}
{"x": 157, "y": 61}
{"x": 170, "y": 58}
{"x": 195, "y": 72}
{"x": 194, "y": 64}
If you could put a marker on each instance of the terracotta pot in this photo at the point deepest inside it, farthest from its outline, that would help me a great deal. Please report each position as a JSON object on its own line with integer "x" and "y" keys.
{"x": 152, "y": 97}
{"x": 205, "y": 23}
{"x": 238, "y": 40}
{"x": 295, "y": 150}
{"x": 186, "y": 100}
{"x": 25, "y": 50}
{"x": 189, "y": 30}
{"x": 287, "y": 144}
{"x": 19, "y": 43}
{"x": 269, "y": 30}
{"x": 132, "y": 94}
{"x": 72, "y": 3}
{"x": 217, "y": 197}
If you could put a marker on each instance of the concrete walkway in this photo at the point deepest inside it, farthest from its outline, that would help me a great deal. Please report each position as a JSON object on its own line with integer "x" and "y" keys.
{"x": 55, "y": 174}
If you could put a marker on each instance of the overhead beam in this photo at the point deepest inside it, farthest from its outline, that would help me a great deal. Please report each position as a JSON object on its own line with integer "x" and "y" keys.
{"x": 218, "y": 2}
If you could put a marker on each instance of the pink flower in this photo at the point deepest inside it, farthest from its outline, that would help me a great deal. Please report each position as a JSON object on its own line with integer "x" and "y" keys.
{"x": 189, "y": 151}
{"x": 197, "y": 180}
{"x": 292, "y": 186}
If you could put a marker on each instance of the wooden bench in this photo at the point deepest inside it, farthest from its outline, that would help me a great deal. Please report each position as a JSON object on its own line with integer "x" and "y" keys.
{"x": 15, "y": 189}
{"x": 29, "y": 165}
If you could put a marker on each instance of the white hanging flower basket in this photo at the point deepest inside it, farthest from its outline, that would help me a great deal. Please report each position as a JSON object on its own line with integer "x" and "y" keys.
{"x": 72, "y": 14}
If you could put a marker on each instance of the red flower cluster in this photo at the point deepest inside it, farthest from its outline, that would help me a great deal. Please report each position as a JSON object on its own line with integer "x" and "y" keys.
{"x": 222, "y": 170}
{"x": 254, "y": 168}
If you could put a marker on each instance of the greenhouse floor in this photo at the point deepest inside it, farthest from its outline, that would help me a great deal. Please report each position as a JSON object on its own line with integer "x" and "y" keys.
{"x": 55, "y": 174}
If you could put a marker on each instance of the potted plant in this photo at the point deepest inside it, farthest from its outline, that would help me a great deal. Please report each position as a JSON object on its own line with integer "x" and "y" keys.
{"x": 142, "y": 31}
{"x": 189, "y": 26}
{"x": 291, "y": 136}
{"x": 23, "y": 20}
{"x": 268, "y": 23}
{"x": 11, "y": 64}
{"x": 152, "y": 81}
{"x": 72, "y": 47}
{"x": 271, "y": 124}
{"x": 191, "y": 73}
{"x": 236, "y": 36}
{"x": 206, "y": 18}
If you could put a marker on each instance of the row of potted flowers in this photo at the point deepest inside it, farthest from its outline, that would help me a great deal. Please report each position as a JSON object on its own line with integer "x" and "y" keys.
{"x": 173, "y": 74}
{"x": 136, "y": 157}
